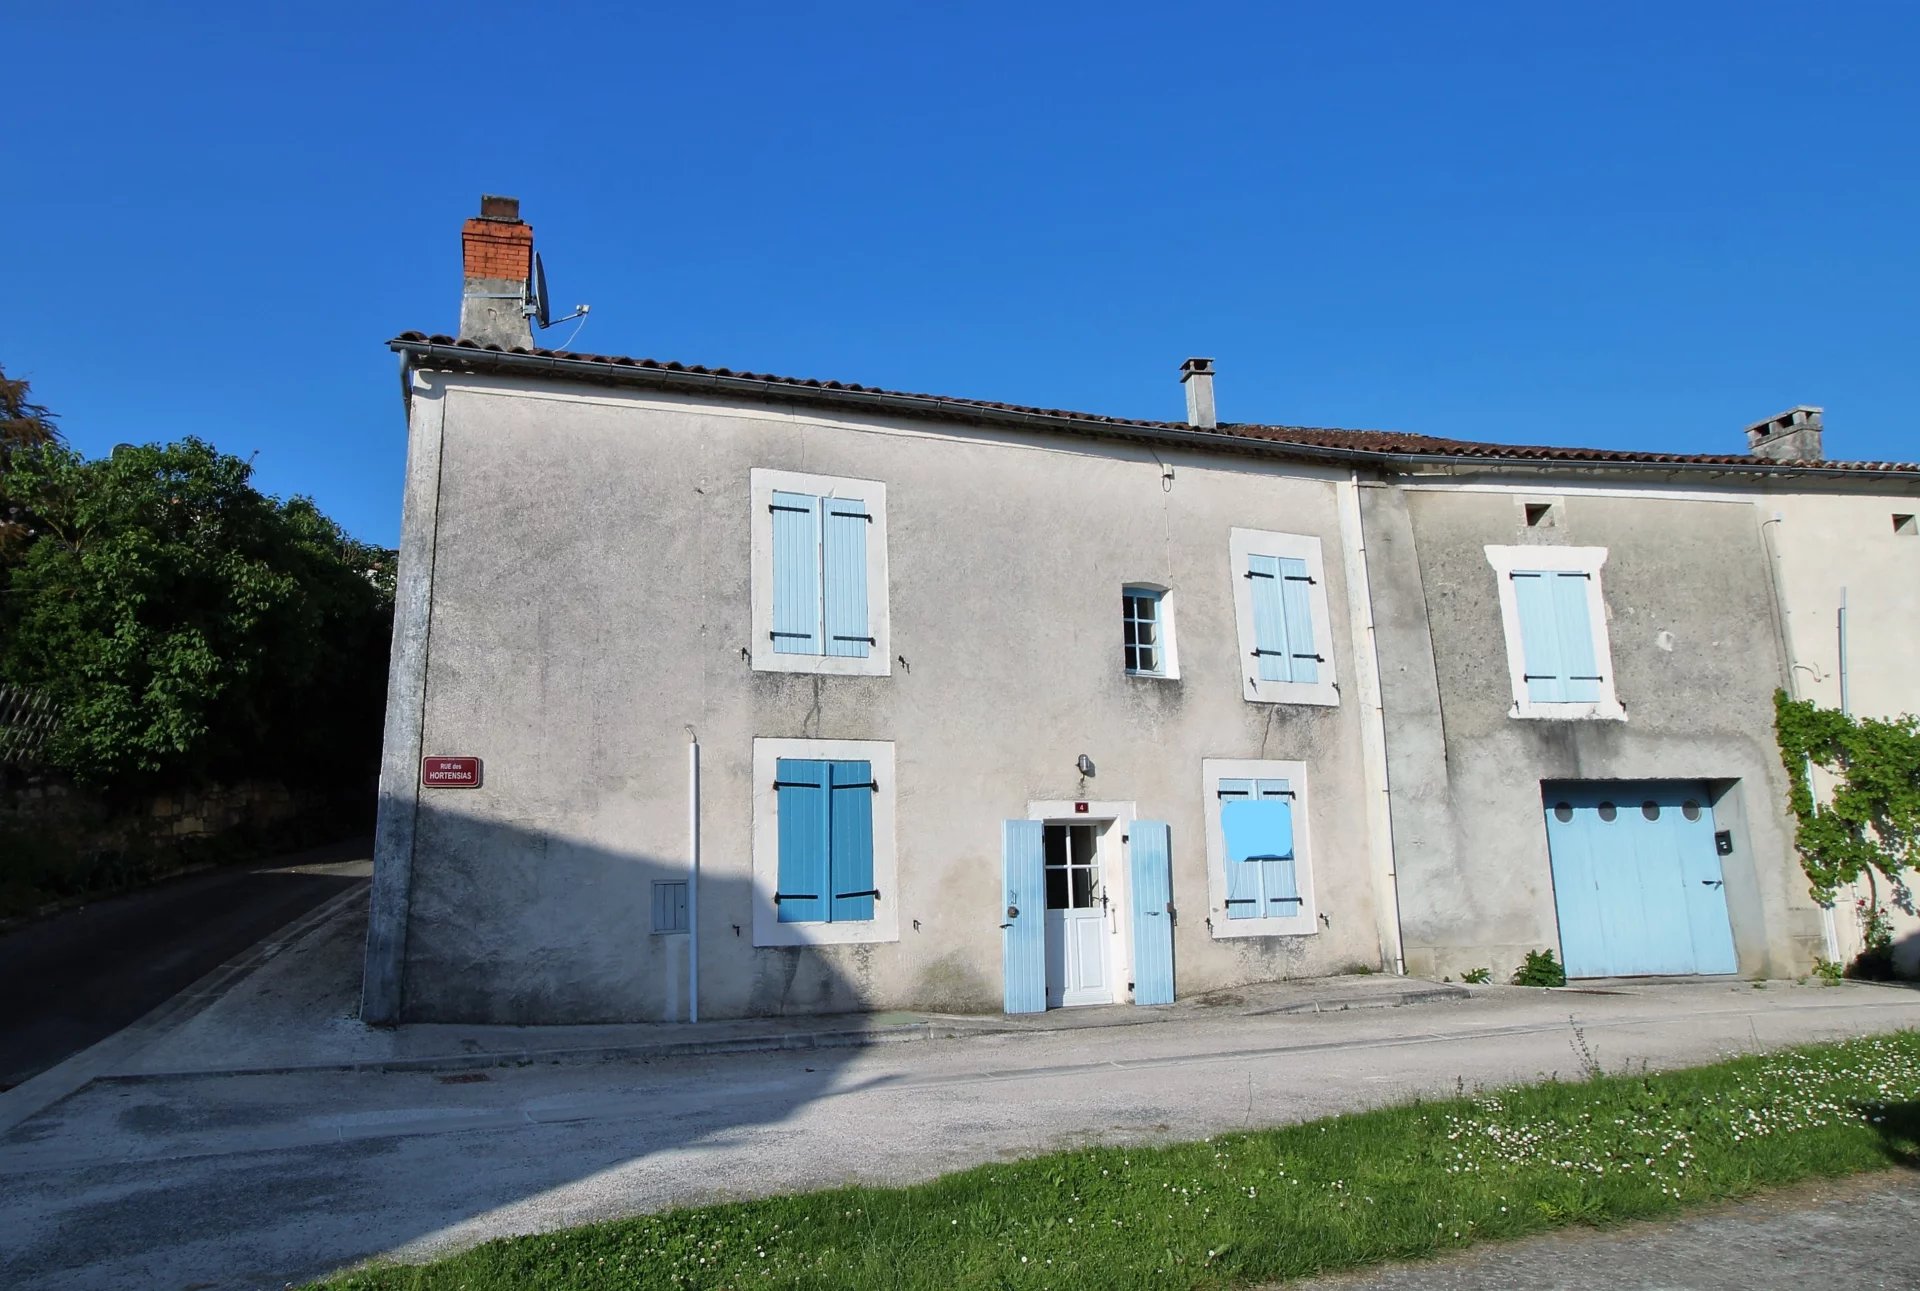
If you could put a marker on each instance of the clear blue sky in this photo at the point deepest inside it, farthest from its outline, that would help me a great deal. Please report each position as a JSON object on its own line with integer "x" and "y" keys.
{"x": 1637, "y": 226}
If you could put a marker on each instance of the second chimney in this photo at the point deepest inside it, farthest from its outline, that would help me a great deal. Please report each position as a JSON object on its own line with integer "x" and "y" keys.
{"x": 497, "y": 254}
{"x": 1197, "y": 376}
{"x": 1792, "y": 436}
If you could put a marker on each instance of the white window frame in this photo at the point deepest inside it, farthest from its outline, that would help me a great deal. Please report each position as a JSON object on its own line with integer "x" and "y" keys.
{"x": 763, "y": 483}
{"x": 767, "y": 928}
{"x": 1245, "y": 543}
{"x": 1168, "y": 650}
{"x": 1305, "y": 922}
{"x": 1553, "y": 559}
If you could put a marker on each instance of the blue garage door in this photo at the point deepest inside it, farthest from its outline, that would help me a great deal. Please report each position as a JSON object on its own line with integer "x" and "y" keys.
{"x": 1637, "y": 880}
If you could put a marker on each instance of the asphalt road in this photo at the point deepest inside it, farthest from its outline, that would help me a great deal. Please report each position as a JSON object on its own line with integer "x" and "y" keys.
{"x": 1836, "y": 1235}
{"x": 246, "y": 1181}
{"x": 81, "y": 975}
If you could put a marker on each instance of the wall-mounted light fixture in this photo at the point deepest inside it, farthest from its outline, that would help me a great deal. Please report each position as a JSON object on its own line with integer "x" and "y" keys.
{"x": 1085, "y": 765}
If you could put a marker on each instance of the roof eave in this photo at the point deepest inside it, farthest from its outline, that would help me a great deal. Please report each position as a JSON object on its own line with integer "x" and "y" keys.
{"x": 470, "y": 358}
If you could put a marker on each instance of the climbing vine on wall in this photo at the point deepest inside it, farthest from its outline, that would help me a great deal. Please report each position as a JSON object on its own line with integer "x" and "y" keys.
{"x": 1870, "y": 828}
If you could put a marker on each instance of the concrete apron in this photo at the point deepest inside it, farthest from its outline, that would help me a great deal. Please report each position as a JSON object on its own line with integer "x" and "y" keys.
{"x": 289, "y": 1005}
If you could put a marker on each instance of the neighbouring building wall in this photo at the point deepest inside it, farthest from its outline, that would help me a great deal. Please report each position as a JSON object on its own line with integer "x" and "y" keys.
{"x": 1695, "y": 658}
{"x": 1865, "y": 548}
{"x": 591, "y": 577}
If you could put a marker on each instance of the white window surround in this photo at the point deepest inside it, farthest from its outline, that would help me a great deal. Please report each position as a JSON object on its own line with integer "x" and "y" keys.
{"x": 763, "y": 484}
{"x": 1169, "y": 645}
{"x": 1243, "y": 543}
{"x": 1580, "y": 560}
{"x": 1307, "y": 921}
{"x": 767, "y": 928}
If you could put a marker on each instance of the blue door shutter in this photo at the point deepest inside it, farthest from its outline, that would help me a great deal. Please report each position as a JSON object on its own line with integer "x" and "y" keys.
{"x": 844, "y": 541}
{"x": 1150, "y": 853}
{"x": 1541, "y": 656}
{"x": 1298, "y": 607}
{"x": 1024, "y": 916}
{"x": 796, "y": 574}
{"x": 801, "y": 885}
{"x": 1576, "y": 637}
{"x": 850, "y": 853}
{"x": 1270, "y": 649}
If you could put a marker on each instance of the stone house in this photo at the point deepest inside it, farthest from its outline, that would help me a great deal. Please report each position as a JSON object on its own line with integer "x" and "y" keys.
{"x": 753, "y": 695}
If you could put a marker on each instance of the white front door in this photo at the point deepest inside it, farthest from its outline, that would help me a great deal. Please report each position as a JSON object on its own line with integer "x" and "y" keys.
{"x": 1079, "y": 917}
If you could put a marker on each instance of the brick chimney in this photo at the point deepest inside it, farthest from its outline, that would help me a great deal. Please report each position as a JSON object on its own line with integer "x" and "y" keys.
{"x": 1197, "y": 376}
{"x": 497, "y": 250}
{"x": 1791, "y": 436}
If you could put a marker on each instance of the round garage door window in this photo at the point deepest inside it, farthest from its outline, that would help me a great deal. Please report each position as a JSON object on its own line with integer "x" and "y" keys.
{"x": 1563, "y": 812}
{"x": 1608, "y": 811}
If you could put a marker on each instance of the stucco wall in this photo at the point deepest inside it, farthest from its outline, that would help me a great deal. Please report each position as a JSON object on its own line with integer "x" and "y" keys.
{"x": 590, "y": 578}
{"x": 1827, "y": 544}
{"x": 1695, "y": 657}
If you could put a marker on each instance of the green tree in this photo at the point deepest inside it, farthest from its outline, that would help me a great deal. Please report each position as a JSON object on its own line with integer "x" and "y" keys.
{"x": 24, "y": 424}
{"x": 188, "y": 625}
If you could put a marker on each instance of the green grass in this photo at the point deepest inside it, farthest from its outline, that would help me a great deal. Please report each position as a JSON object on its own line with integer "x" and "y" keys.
{"x": 1398, "y": 1183}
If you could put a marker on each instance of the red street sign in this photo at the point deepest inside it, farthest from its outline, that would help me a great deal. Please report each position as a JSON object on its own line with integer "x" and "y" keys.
{"x": 1080, "y": 808}
{"x": 450, "y": 773}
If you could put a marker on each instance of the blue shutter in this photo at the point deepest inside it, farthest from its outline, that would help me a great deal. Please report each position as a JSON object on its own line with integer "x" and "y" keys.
{"x": 1575, "y": 626}
{"x": 1150, "y": 853}
{"x": 796, "y": 574}
{"x": 1258, "y": 833}
{"x": 1541, "y": 656}
{"x": 1243, "y": 879}
{"x": 1024, "y": 921}
{"x": 850, "y": 851}
{"x": 1279, "y": 877}
{"x": 801, "y": 885}
{"x": 1298, "y": 607}
{"x": 1269, "y": 619}
{"x": 845, "y": 543}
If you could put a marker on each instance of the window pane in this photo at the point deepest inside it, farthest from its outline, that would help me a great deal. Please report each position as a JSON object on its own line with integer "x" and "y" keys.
{"x": 1082, "y": 887}
{"x": 1149, "y": 660}
{"x": 1056, "y": 889}
{"x": 1054, "y": 845}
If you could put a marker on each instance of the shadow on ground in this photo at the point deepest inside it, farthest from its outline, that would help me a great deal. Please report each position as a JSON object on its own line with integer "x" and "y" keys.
{"x": 252, "y": 1180}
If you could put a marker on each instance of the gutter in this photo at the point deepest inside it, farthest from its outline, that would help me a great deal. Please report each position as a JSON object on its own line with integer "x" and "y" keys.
{"x": 427, "y": 353}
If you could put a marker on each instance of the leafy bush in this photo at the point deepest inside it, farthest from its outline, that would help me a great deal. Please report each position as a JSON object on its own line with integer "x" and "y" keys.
{"x": 1477, "y": 976}
{"x": 189, "y": 626}
{"x": 1541, "y": 969}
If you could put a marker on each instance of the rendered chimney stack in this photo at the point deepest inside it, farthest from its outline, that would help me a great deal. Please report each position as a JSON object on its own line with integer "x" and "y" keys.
{"x": 497, "y": 251}
{"x": 1791, "y": 436}
{"x": 1197, "y": 376}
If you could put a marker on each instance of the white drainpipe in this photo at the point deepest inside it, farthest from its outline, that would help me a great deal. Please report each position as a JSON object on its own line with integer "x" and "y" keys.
{"x": 693, "y": 878}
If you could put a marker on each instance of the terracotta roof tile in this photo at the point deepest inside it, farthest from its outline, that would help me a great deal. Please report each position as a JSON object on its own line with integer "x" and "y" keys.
{"x": 1394, "y": 442}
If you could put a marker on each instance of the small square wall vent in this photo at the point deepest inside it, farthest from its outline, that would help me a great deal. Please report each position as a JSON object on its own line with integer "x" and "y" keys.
{"x": 1905, "y": 526}
{"x": 1540, "y": 515}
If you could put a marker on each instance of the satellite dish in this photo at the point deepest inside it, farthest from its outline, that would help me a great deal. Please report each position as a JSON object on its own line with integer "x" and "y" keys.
{"x": 537, "y": 305}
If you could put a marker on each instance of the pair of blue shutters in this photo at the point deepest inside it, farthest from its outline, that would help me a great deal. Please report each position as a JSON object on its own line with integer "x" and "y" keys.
{"x": 1256, "y": 820}
{"x": 820, "y": 576}
{"x": 1556, "y": 636}
{"x": 1283, "y": 619}
{"x": 1024, "y": 953}
{"x": 826, "y": 841}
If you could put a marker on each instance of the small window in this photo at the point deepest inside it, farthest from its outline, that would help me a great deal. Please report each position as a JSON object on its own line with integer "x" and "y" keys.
{"x": 1905, "y": 526}
{"x": 1690, "y": 809}
{"x": 1650, "y": 809}
{"x": 1539, "y": 514}
{"x": 1563, "y": 812}
{"x": 670, "y": 906}
{"x": 1608, "y": 811}
{"x": 1143, "y": 632}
